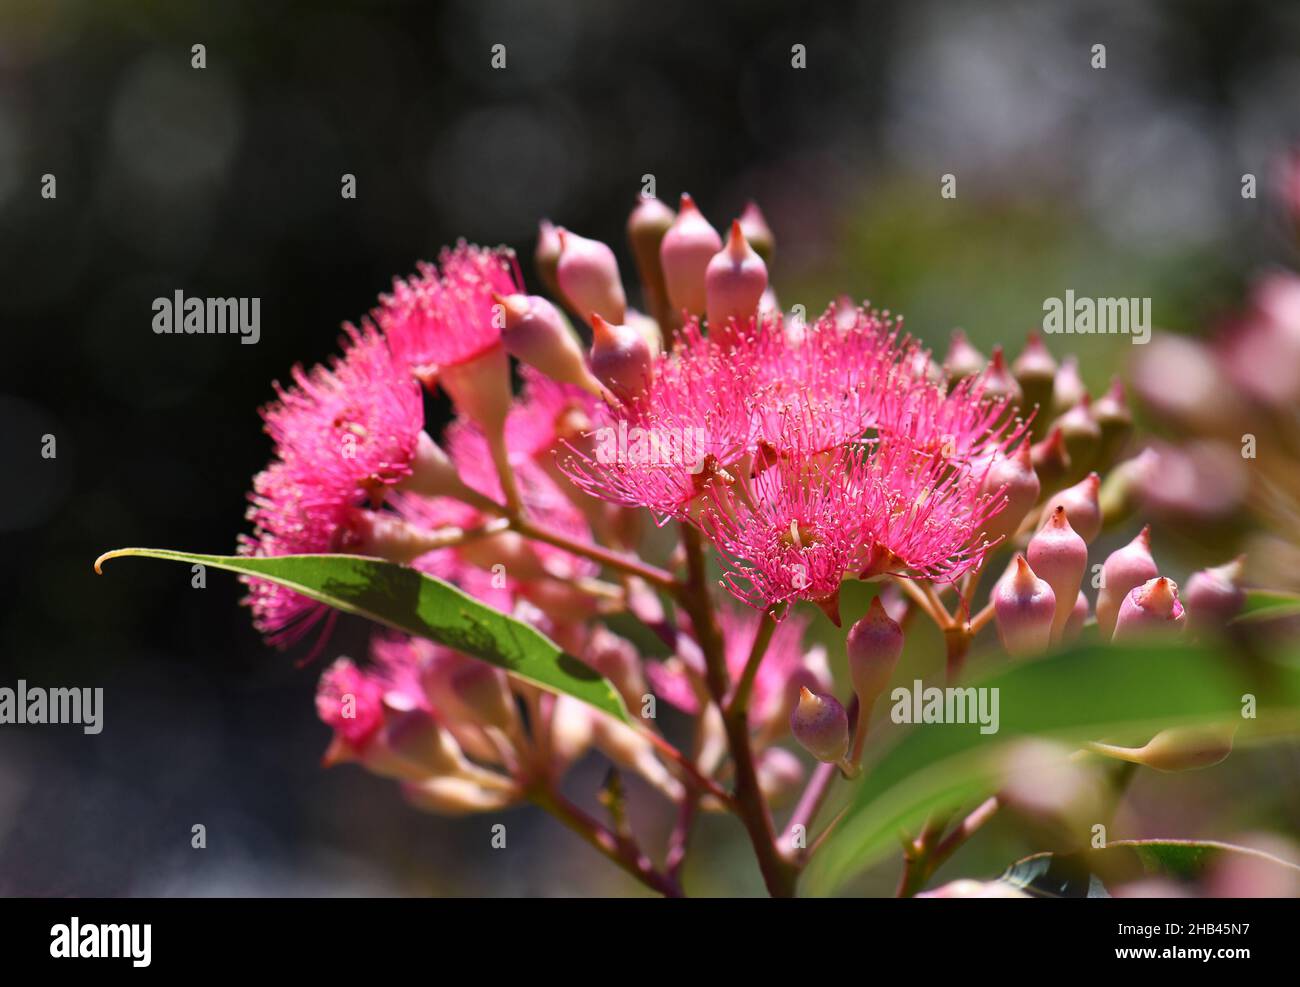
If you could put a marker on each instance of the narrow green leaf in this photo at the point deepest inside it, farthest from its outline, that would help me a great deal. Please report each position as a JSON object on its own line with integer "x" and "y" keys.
{"x": 418, "y": 604}
{"x": 1088, "y": 693}
{"x": 1268, "y": 604}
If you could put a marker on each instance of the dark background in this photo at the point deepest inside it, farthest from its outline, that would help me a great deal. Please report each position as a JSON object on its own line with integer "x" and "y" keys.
{"x": 225, "y": 182}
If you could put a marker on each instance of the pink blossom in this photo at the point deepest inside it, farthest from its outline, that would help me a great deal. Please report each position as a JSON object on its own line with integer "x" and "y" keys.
{"x": 350, "y": 701}
{"x": 445, "y": 315}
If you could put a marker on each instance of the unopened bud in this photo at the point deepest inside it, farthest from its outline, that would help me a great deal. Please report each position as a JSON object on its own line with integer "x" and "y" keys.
{"x": 1057, "y": 554}
{"x": 1035, "y": 369}
{"x": 589, "y": 281}
{"x": 480, "y": 389}
{"x": 1024, "y": 606}
{"x": 1067, "y": 388}
{"x": 1123, "y": 571}
{"x": 1014, "y": 476}
{"x": 1050, "y": 459}
{"x": 538, "y": 334}
{"x": 1179, "y": 749}
{"x": 685, "y": 253}
{"x": 646, "y": 227}
{"x": 779, "y": 776}
{"x": 874, "y": 644}
{"x": 1111, "y": 413}
{"x": 620, "y": 358}
{"x": 1082, "y": 436}
{"x": 453, "y": 796}
{"x": 1078, "y": 617}
{"x": 546, "y": 258}
{"x": 998, "y": 382}
{"x": 1082, "y": 504}
{"x": 482, "y": 689}
{"x": 1152, "y": 609}
{"x": 963, "y": 359}
{"x": 754, "y": 225}
{"x": 1214, "y": 596}
{"x": 734, "y": 282}
{"x": 386, "y": 536}
{"x": 821, "y": 726}
{"x": 1122, "y": 489}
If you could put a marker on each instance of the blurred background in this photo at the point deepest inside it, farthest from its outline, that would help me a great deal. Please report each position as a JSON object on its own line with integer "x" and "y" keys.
{"x": 225, "y": 182}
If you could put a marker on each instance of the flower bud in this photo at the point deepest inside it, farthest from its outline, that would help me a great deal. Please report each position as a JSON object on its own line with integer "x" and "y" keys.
{"x": 1152, "y": 609}
{"x": 1082, "y": 504}
{"x": 537, "y": 334}
{"x": 646, "y": 227}
{"x": 1024, "y": 607}
{"x": 480, "y": 389}
{"x": 1057, "y": 554}
{"x": 873, "y": 645}
{"x": 546, "y": 258}
{"x": 821, "y": 726}
{"x": 1067, "y": 388}
{"x": 1214, "y": 596}
{"x": 1124, "y": 570}
{"x": 483, "y": 690}
{"x": 685, "y": 253}
{"x": 453, "y": 796}
{"x": 1082, "y": 436}
{"x": 1051, "y": 461}
{"x": 620, "y": 358}
{"x": 1078, "y": 617}
{"x": 588, "y": 275}
{"x": 1112, "y": 415}
{"x": 998, "y": 382}
{"x": 1035, "y": 369}
{"x": 1014, "y": 476}
{"x": 648, "y": 328}
{"x": 572, "y": 729}
{"x": 1179, "y": 749}
{"x": 963, "y": 359}
{"x": 1122, "y": 489}
{"x": 630, "y": 749}
{"x": 616, "y": 658}
{"x": 433, "y": 474}
{"x": 734, "y": 282}
{"x": 386, "y": 536}
{"x": 779, "y": 776}
{"x": 754, "y": 225}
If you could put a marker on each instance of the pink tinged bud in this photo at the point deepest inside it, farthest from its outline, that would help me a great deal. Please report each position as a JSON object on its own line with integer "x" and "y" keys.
{"x": 963, "y": 359}
{"x": 620, "y": 358}
{"x": 547, "y": 257}
{"x": 453, "y": 796}
{"x": 734, "y": 281}
{"x": 480, "y": 389}
{"x": 588, "y": 275}
{"x": 1082, "y": 505}
{"x": 536, "y": 333}
{"x": 1078, "y": 617}
{"x": 1214, "y": 596}
{"x": 1025, "y": 607}
{"x": 648, "y": 329}
{"x": 1125, "y": 569}
{"x": 1067, "y": 389}
{"x": 1152, "y": 609}
{"x": 1014, "y": 476}
{"x": 1057, "y": 554}
{"x": 1123, "y": 486}
{"x": 779, "y": 776}
{"x": 874, "y": 645}
{"x": 685, "y": 253}
{"x": 1051, "y": 460}
{"x": 821, "y": 726}
{"x": 433, "y": 474}
{"x": 998, "y": 382}
{"x": 754, "y": 225}
{"x": 1035, "y": 362}
{"x": 386, "y": 536}
{"x": 1112, "y": 415}
{"x": 483, "y": 691}
{"x": 1082, "y": 435}
{"x": 646, "y": 228}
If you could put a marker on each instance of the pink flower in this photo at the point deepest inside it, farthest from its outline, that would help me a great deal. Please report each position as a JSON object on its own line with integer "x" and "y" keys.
{"x": 446, "y": 315}
{"x": 351, "y": 428}
{"x": 350, "y": 701}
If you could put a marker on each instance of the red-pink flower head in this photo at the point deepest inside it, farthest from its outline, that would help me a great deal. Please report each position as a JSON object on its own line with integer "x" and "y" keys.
{"x": 351, "y": 702}
{"x": 352, "y": 428}
{"x": 445, "y": 315}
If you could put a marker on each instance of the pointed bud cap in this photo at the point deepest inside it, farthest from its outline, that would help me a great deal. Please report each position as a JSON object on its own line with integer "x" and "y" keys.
{"x": 1057, "y": 554}
{"x": 537, "y": 334}
{"x": 620, "y": 358}
{"x": 685, "y": 253}
{"x": 874, "y": 644}
{"x": 754, "y": 225}
{"x": 821, "y": 726}
{"x": 1035, "y": 362}
{"x": 1051, "y": 460}
{"x": 588, "y": 276}
{"x": 546, "y": 257}
{"x": 998, "y": 382}
{"x": 1214, "y": 596}
{"x": 1082, "y": 505}
{"x": 734, "y": 282}
{"x": 1012, "y": 477}
{"x": 963, "y": 359}
{"x": 1024, "y": 607}
{"x": 1124, "y": 569}
{"x": 1067, "y": 389}
{"x": 1152, "y": 609}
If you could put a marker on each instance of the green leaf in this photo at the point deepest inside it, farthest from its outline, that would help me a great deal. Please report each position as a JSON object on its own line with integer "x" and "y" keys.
{"x": 1089, "y": 873}
{"x": 418, "y": 604}
{"x": 1092, "y": 692}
